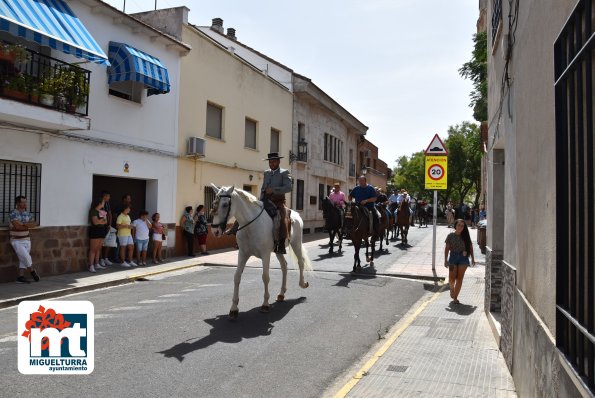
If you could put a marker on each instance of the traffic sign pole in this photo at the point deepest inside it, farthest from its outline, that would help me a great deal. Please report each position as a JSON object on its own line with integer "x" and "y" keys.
{"x": 435, "y": 210}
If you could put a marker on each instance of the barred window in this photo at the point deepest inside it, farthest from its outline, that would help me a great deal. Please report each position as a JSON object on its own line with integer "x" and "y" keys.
{"x": 214, "y": 121}
{"x": 250, "y": 134}
{"x": 209, "y": 199}
{"x": 19, "y": 179}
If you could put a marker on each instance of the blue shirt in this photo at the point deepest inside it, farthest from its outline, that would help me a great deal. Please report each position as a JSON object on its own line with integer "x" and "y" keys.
{"x": 362, "y": 193}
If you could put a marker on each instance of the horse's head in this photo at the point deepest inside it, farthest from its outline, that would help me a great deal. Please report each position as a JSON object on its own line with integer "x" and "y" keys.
{"x": 221, "y": 209}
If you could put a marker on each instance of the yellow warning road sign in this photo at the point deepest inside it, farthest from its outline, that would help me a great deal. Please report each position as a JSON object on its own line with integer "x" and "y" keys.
{"x": 436, "y": 172}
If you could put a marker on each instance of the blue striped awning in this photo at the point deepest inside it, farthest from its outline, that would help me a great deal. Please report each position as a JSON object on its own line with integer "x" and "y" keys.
{"x": 50, "y": 23}
{"x": 130, "y": 64}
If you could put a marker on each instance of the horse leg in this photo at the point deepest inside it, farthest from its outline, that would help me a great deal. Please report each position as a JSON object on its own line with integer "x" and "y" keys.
{"x": 234, "y": 311}
{"x": 283, "y": 262}
{"x": 266, "y": 260}
{"x": 300, "y": 252}
{"x": 356, "y": 261}
{"x": 331, "y": 238}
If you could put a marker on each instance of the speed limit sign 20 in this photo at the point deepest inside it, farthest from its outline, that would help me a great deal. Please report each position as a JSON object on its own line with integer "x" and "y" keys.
{"x": 436, "y": 172}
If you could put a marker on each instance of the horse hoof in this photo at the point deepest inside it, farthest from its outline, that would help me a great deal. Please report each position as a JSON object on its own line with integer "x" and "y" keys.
{"x": 305, "y": 286}
{"x": 233, "y": 315}
{"x": 280, "y": 298}
{"x": 265, "y": 309}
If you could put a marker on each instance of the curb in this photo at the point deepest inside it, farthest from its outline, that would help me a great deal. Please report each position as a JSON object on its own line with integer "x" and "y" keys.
{"x": 93, "y": 286}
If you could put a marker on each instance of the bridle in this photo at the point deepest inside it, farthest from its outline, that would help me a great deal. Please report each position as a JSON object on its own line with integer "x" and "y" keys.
{"x": 223, "y": 223}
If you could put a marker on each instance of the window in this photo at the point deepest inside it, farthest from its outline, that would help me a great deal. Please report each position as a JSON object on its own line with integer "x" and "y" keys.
{"x": 209, "y": 199}
{"x": 275, "y": 135}
{"x": 250, "y": 134}
{"x": 248, "y": 188}
{"x": 301, "y": 132}
{"x": 214, "y": 121}
{"x": 320, "y": 195}
{"x": 131, "y": 91}
{"x": 575, "y": 184}
{"x": 325, "y": 146}
{"x": 19, "y": 179}
{"x": 299, "y": 200}
{"x": 333, "y": 147}
{"x": 496, "y": 18}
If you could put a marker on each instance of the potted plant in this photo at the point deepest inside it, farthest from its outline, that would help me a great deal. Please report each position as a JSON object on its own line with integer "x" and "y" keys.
{"x": 76, "y": 88}
{"x": 46, "y": 90}
{"x": 13, "y": 53}
{"x": 17, "y": 87}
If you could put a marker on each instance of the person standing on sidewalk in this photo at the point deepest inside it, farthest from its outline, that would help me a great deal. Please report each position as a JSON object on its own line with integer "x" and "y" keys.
{"x": 201, "y": 229}
{"x": 458, "y": 244}
{"x": 105, "y": 250}
{"x": 21, "y": 221}
{"x": 142, "y": 228}
{"x": 97, "y": 232}
{"x": 158, "y": 235}
{"x": 124, "y": 227}
{"x": 187, "y": 224}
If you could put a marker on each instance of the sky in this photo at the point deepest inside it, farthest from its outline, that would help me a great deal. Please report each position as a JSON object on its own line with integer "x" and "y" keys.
{"x": 393, "y": 64}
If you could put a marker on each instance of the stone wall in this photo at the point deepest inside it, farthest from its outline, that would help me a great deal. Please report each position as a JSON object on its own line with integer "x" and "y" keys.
{"x": 55, "y": 250}
{"x": 507, "y": 307}
{"x": 493, "y": 285}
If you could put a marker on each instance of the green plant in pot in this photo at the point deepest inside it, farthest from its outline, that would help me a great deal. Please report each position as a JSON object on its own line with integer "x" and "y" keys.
{"x": 14, "y": 53}
{"x": 76, "y": 90}
{"x": 17, "y": 86}
{"x": 47, "y": 90}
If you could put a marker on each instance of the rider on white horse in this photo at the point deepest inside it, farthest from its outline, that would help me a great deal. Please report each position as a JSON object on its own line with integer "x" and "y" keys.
{"x": 275, "y": 184}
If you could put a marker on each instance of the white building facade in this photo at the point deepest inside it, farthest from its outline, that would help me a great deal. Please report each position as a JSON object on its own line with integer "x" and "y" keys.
{"x": 121, "y": 140}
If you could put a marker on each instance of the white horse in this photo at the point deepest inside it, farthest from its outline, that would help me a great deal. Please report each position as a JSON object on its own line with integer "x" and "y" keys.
{"x": 255, "y": 238}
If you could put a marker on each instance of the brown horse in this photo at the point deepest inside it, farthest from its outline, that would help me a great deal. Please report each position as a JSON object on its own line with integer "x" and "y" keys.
{"x": 357, "y": 227}
{"x": 394, "y": 227}
{"x": 404, "y": 219}
{"x": 384, "y": 225}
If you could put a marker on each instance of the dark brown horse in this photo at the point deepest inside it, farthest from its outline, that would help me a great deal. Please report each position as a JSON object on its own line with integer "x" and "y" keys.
{"x": 332, "y": 217}
{"x": 384, "y": 225}
{"x": 357, "y": 226}
{"x": 394, "y": 228}
{"x": 404, "y": 219}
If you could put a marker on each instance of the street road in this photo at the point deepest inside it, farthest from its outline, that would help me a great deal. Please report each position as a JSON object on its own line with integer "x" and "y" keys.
{"x": 170, "y": 335}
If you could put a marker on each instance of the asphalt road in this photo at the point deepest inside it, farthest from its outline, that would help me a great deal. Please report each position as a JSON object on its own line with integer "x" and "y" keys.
{"x": 170, "y": 336}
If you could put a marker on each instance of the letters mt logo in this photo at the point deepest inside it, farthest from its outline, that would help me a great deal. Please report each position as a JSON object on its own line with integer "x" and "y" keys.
{"x": 56, "y": 337}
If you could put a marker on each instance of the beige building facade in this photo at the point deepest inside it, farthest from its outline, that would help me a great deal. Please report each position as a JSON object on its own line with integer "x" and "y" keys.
{"x": 234, "y": 113}
{"x": 540, "y": 288}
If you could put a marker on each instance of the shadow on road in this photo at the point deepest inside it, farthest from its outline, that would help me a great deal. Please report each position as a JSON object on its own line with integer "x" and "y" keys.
{"x": 326, "y": 256}
{"x": 366, "y": 273}
{"x": 461, "y": 309}
{"x": 249, "y": 325}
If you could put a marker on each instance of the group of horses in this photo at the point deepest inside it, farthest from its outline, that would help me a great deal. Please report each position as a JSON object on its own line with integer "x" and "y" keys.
{"x": 254, "y": 235}
{"x": 394, "y": 220}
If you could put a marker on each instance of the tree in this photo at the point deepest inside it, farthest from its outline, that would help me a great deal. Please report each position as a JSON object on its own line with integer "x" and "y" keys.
{"x": 464, "y": 161}
{"x": 477, "y": 71}
{"x": 409, "y": 173}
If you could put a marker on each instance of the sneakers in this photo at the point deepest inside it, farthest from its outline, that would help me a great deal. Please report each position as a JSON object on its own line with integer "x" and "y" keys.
{"x": 92, "y": 269}
{"x": 102, "y": 262}
{"x": 133, "y": 264}
{"x": 99, "y": 266}
{"x": 21, "y": 279}
{"x": 35, "y": 276}
{"x": 106, "y": 262}
{"x": 125, "y": 264}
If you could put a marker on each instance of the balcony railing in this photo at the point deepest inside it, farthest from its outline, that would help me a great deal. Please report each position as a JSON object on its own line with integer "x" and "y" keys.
{"x": 36, "y": 79}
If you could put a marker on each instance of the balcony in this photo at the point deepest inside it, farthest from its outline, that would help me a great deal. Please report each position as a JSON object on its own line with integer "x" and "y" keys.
{"x": 29, "y": 77}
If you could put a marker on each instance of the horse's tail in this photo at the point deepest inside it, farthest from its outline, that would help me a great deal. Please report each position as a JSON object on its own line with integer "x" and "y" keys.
{"x": 304, "y": 253}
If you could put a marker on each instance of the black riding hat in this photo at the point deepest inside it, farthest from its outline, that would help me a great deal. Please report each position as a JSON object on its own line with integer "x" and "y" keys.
{"x": 273, "y": 155}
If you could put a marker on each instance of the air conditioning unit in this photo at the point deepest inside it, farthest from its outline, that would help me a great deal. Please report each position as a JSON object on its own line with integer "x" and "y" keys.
{"x": 195, "y": 147}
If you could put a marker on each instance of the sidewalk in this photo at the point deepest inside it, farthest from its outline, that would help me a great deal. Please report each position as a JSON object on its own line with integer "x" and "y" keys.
{"x": 439, "y": 349}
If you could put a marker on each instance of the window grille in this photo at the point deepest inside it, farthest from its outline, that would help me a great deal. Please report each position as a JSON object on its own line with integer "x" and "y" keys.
{"x": 209, "y": 199}
{"x": 496, "y": 18}
{"x": 19, "y": 179}
{"x": 575, "y": 175}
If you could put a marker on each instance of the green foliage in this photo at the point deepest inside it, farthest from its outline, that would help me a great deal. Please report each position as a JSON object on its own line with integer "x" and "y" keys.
{"x": 476, "y": 70}
{"x": 409, "y": 173}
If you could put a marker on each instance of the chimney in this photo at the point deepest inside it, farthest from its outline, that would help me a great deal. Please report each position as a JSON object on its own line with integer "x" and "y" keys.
{"x": 231, "y": 34}
{"x": 217, "y": 25}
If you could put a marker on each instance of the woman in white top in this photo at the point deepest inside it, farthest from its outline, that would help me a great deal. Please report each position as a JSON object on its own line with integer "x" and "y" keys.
{"x": 141, "y": 226}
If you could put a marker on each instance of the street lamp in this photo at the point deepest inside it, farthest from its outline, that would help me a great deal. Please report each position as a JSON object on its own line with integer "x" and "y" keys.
{"x": 364, "y": 169}
{"x": 302, "y": 150}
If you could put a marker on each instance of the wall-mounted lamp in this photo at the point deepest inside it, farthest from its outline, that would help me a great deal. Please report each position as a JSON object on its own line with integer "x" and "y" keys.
{"x": 250, "y": 177}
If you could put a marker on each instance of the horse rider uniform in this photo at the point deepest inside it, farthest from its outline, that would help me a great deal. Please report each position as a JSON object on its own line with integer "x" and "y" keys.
{"x": 279, "y": 180}
{"x": 368, "y": 192}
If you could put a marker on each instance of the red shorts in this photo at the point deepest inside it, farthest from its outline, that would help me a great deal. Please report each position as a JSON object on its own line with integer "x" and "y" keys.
{"x": 202, "y": 239}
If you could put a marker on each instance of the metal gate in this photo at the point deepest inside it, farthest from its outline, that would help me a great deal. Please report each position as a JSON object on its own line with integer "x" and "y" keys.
{"x": 575, "y": 176}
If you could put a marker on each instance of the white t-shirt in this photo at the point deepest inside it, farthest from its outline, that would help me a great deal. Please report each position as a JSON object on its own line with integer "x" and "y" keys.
{"x": 142, "y": 230}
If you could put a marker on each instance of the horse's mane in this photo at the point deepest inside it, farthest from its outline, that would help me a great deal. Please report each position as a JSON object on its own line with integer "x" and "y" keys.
{"x": 248, "y": 197}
